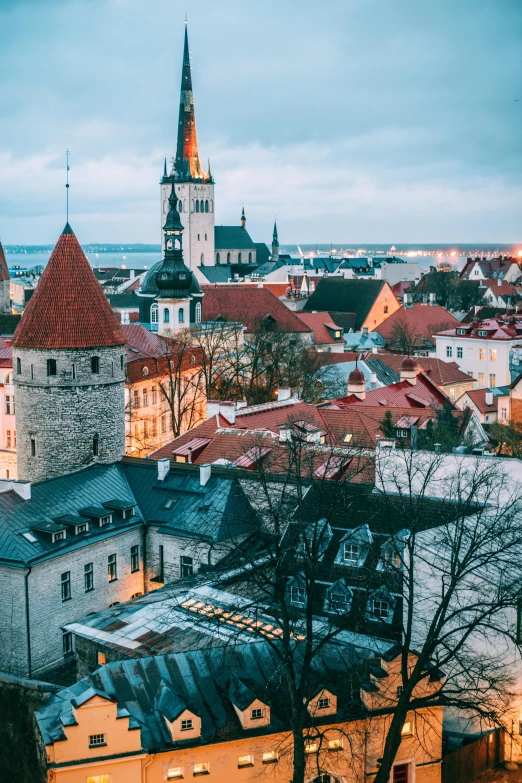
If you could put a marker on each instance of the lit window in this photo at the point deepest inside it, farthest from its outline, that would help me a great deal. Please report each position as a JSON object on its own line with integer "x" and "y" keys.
{"x": 481, "y": 379}
{"x": 66, "y": 585}
{"x": 481, "y": 354}
{"x": 101, "y": 659}
{"x": 492, "y": 380}
{"x": 99, "y": 779}
{"x": 311, "y": 747}
{"x": 351, "y": 553}
{"x": 449, "y": 351}
{"x": 95, "y": 740}
{"x": 335, "y": 744}
{"x": 245, "y": 761}
{"x": 256, "y": 713}
{"x": 323, "y": 703}
{"x": 269, "y": 756}
{"x": 174, "y": 773}
{"x": 348, "y": 437}
{"x": 186, "y": 724}
{"x": 201, "y": 769}
{"x": 492, "y": 354}
{"x": 380, "y": 608}
{"x": 407, "y": 729}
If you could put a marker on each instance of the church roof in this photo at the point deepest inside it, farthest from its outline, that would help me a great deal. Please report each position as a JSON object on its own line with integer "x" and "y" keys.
{"x": 262, "y": 253}
{"x": 232, "y": 238}
{"x": 4, "y": 271}
{"x": 68, "y": 308}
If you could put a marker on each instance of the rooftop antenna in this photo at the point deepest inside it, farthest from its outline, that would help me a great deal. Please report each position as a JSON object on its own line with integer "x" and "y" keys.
{"x": 67, "y": 153}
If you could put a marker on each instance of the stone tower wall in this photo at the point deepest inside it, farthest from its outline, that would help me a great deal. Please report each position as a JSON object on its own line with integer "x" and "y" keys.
{"x": 5, "y": 296}
{"x": 63, "y": 413}
{"x": 198, "y": 234}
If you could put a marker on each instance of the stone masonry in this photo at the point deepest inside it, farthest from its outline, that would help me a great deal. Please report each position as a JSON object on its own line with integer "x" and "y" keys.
{"x": 58, "y": 417}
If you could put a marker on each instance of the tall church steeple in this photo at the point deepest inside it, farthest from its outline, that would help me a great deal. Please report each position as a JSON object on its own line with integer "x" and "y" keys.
{"x": 275, "y": 244}
{"x": 188, "y": 165}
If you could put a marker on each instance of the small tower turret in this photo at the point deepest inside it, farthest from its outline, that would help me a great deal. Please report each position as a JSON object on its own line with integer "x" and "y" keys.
{"x": 243, "y": 218}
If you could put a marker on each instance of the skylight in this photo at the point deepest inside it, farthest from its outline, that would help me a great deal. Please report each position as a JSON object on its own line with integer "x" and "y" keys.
{"x": 30, "y": 537}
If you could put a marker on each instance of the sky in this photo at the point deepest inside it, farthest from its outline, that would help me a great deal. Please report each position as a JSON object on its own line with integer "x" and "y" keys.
{"x": 353, "y": 121}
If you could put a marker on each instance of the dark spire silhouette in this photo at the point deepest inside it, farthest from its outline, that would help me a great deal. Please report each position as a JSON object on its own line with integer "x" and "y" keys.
{"x": 188, "y": 166}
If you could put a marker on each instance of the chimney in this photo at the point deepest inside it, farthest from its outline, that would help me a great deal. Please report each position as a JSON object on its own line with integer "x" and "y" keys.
{"x": 132, "y": 274}
{"x": 489, "y": 398}
{"x": 204, "y": 474}
{"x": 374, "y": 349}
{"x": 228, "y": 410}
{"x": 163, "y": 468}
{"x": 284, "y": 393}
{"x": 212, "y": 408}
{"x": 408, "y": 371}
{"x": 433, "y": 301}
{"x": 189, "y": 455}
{"x": 405, "y": 299}
{"x": 23, "y": 488}
{"x": 241, "y": 404}
{"x": 373, "y": 378}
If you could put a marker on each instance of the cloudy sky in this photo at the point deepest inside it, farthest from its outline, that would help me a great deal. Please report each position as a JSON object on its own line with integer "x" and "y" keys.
{"x": 352, "y": 120}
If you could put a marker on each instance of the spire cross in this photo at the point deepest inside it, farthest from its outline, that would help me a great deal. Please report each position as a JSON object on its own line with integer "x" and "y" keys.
{"x": 67, "y": 153}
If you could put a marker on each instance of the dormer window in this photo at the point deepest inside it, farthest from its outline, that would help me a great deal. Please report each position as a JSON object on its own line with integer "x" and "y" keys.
{"x": 105, "y": 521}
{"x": 96, "y": 740}
{"x": 461, "y": 331}
{"x": 339, "y": 598}
{"x": 297, "y": 594}
{"x": 257, "y": 713}
{"x": 351, "y": 553}
{"x": 381, "y": 608}
{"x": 482, "y": 333}
{"x": 81, "y": 529}
{"x": 187, "y": 724}
{"x": 58, "y": 536}
{"x": 323, "y": 703}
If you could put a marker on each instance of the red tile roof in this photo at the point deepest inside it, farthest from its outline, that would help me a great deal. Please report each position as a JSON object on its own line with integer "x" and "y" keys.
{"x": 68, "y": 308}
{"x": 319, "y": 322}
{"x": 478, "y": 397}
{"x": 248, "y": 305}
{"x": 496, "y": 329}
{"x": 425, "y": 394}
{"x": 504, "y": 289}
{"x": 421, "y": 321}
{"x": 147, "y": 353}
{"x": 4, "y": 271}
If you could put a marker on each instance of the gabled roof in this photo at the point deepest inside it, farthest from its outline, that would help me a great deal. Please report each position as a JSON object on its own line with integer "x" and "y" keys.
{"x": 420, "y": 322}
{"x": 425, "y": 394}
{"x": 249, "y": 305}
{"x": 442, "y": 373}
{"x": 68, "y": 308}
{"x": 232, "y": 238}
{"x": 478, "y": 398}
{"x": 322, "y": 326}
{"x": 337, "y": 294}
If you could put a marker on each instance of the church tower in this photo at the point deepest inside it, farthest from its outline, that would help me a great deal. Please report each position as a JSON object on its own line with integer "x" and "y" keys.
{"x": 275, "y": 244}
{"x": 175, "y": 282}
{"x": 195, "y": 188}
{"x": 68, "y": 370}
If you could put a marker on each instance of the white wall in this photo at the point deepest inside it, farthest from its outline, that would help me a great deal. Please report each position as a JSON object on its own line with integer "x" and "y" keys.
{"x": 470, "y": 363}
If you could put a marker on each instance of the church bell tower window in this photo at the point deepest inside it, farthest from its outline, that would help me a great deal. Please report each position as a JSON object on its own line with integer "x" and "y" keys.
{"x": 166, "y": 315}
{"x": 181, "y": 315}
{"x": 154, "y": 314}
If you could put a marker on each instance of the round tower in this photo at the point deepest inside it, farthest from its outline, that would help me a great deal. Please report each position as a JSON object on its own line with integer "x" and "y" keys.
{"x": 68, "y": 371}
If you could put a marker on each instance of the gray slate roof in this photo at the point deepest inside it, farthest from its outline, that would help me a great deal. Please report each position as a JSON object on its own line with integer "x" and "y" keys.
{"x": 147, "y": 688}
{"x": 213, "y": 512}
{"x": 337, "y": 294}
{"x": 232, "y": 238}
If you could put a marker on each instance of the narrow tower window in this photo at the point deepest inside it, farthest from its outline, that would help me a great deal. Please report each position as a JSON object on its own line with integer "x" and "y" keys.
{"x": 51, "y": 366}
{"x": 198, "y": 313}
{"x": 18, "y": 366}
{"x": 201, "y": 206}
{"x": 202, "y": 259}
{"x": 181, "y": 315}
{"x": 250, "y": 258}
{"x": 166, "y": 315}
{"x": 33, "y": 447}
{"x": 206, "y": 206}
{"x": 121, "y": 362}
{"x": 197, "y": 205}
{"x": 154, "y": 313}
{"x": 218, "y": 258}
{"x": 239, "y": 258}
{"x": 180, "y": 206}
{"x": 95, "y": 364}
{"x": 228, "y": 258}
{"x": 95, "y": 446}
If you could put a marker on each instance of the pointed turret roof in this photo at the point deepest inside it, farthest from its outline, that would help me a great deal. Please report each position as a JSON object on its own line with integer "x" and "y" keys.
{"x": 68, "y": 308}
{"x": 4, "y": 271}
{"x": 188, "y": 165}
{"x": 275, "y": 240}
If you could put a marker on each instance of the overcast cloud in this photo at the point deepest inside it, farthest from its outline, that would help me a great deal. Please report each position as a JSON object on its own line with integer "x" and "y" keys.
{"x": 352, "y": 120}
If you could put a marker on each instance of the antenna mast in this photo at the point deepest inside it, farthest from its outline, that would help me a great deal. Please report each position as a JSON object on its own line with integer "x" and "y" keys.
{"x": 67, "y": 153}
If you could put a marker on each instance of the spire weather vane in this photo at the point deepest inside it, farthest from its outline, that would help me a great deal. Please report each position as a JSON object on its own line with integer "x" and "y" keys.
{"x": 67, "y": 153}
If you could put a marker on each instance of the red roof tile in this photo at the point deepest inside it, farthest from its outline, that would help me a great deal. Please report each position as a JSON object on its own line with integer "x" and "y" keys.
{"x": 442, "y": 373}
{"x": 249, "y": 305}
{"x": 403, "y": 394}
{"x": 420, "y": 320}
{"x": 319, "y": 322}
{"x": 4, "y": 271}
{"x": 68, "y": 308}
{"x": 478, "y": 397}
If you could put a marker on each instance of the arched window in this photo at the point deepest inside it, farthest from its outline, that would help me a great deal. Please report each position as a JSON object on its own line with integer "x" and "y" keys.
{"x": 166, "y": 315}
{"x": 154, "y": 313}
{"x": 218, "y": 258}
{"x": 95, "y": 446}
{"x": 228, "y": 258}
{"x": 206, "y": 206}
{"x": 201, "y": 206}
{"x": 239, "y": 258}
{"x": 250, "y": 258}
{"x": 198, "y": 313}
{"x": 181, "y": 315}
{"x": 197, "y": 205}
{"x": 202, "y": 259}
{"x": 180, "y": 206}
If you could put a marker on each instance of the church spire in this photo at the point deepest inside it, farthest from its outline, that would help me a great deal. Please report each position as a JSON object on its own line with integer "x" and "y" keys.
{"x": 243, "y": 218}
{"x": 188, "y": 166}
{"x": 275, "y": 243}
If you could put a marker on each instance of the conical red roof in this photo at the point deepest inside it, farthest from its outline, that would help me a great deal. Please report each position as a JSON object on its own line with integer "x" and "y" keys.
{"x": 68, "y": 308}
{"x": 4, "y": 271}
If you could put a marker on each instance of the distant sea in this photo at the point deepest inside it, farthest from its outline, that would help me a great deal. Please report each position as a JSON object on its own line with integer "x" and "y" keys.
{"x": 144, "y": 256}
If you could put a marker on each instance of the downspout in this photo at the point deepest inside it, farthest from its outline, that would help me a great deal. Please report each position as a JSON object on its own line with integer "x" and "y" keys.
{"x": 144, "y": 768}
{"x": 27, "y": 621}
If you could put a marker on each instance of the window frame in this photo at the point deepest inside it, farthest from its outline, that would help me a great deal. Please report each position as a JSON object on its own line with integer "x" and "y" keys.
{"x": 135, "y": 559}
{"x": 88, "y": 577}
{"x": 112, "y": 567}
{"x": 65, "y": 586}
{"x": 95, "y": 743}
{"x": 377, "y": 612}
